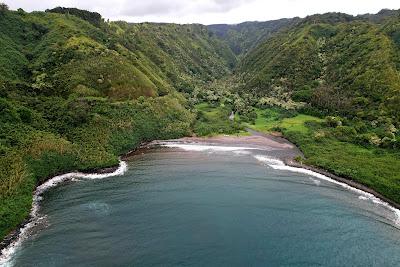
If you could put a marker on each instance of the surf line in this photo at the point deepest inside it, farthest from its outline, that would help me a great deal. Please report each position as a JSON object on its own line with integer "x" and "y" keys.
{"x": 35, "y": 218}
{"x": 280, "y": 165}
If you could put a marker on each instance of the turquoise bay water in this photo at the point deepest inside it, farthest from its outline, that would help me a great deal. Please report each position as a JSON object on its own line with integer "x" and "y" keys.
{"x": 209, "y": 208}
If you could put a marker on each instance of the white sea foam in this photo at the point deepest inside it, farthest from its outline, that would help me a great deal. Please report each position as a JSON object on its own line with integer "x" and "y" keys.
{"x": 200, "y": 148}
{"x": 269, "y": 161}
{"x": 7, "y": 253}
{"x": 279, "y": 165}
{"x": 241, "y": 152}
{"x": 316, "y": 182}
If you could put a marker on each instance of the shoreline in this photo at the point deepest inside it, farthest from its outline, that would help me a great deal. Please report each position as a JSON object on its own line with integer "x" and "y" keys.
{"x": 258, "y": 140}
{"x": 13, "y": 236}
{"x": 283, "y": 143}
{"x": 348, "y": 181}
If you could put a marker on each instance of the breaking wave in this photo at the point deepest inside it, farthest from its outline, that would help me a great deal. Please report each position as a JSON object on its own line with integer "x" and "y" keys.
{"x": 36, "y": 218}
{"x": 7, "y": 253}
{"x": 279, "y": 165}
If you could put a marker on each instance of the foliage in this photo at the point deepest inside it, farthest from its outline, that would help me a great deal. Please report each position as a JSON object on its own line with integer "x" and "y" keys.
{"x": 340, "y": 149}
{"x": 92, "y": 17}
{"x": 243, "y": 37}
{"x": 214, "y": 120}
{"x": 337, "y": 63}
{"x": 3, "y": 8}
{"x": 374, "y": 167}
{"x": 75, "y": 95}
{"x": 109, "y": 129}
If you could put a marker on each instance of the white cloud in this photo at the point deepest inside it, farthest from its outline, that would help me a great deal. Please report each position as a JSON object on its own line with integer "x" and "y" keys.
{"x": 209, "y": 11}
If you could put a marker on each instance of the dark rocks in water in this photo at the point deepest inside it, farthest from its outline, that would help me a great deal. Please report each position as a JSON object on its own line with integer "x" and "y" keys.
{"x": 11, "y": 237}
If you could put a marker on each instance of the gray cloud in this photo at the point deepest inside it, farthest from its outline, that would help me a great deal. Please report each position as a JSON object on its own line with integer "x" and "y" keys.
{"x": 150, "y": 7}
{"x": 218, "y": 6}
{"x": 179, "y": 7}
{"x": 207, "y": 11}
{"x": 136, "y": 8}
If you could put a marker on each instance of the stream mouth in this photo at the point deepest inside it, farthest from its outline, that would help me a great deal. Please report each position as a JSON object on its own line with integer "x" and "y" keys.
{"x": 207, "y": 203}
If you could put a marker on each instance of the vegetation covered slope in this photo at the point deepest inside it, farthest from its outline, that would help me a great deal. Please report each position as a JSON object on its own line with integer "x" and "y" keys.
{"x": 245, "y": 36}
{"x": 344, "y": 70}
{"x": 345, "y": 66}
{"x": 118, "y": 60}
{"x": 76, "y": 92}
{"x": 184, "y": 55}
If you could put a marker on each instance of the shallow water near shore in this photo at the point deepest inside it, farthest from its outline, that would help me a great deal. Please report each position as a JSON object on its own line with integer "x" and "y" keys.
{"x": 202, "y": 205}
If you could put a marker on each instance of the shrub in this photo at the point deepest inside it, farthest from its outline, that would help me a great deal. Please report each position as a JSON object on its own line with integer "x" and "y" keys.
{"x": 361, "y": 127}
{"x": 374, "y": 140}
{"x": 25, "y": 114}
{"x": 303, "y": 95}
{"x": 249, "y": 116}
{"x": 319, "y": 135}
{"x": 8, "y": 112}
{"x": 333, "y": 121}
{"x": 288, "y": 113}
{"x": 299, "y": 159}
{"x": 345, "y": 133}
{"x": 388, "y": 142}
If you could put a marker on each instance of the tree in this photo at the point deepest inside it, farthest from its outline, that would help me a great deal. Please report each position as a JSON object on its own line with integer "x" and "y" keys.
{"x": 3, "y": 8}
{"x": 92, "y": 17}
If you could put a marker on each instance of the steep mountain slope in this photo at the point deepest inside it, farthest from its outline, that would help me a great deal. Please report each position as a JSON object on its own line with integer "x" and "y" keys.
{"x": 117, "y": 59}
{"x": 338, "y": 63}
{"x": 243, "y": 37}
{"x": 184, "y": 55}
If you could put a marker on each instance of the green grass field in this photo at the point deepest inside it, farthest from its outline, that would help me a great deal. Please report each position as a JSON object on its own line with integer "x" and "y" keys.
{"x": 269, "y": 119}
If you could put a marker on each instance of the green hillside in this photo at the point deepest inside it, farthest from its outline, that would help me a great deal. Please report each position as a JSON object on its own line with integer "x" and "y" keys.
{"x": 58, "y": 52}
{"x": 345, "y": 72}
{"x": 338, "y": 64}
{"x": 245, "y": 36}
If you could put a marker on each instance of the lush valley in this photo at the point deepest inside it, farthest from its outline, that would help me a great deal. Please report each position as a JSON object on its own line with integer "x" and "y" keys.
{"x": 77, "y": 91}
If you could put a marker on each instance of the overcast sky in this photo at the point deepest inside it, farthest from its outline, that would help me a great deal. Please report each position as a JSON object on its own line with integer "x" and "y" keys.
{"x": 208, "y": 11}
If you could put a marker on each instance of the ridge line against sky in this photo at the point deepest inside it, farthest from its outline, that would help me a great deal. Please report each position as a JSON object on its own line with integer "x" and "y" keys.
{"x": 208, "y": 11}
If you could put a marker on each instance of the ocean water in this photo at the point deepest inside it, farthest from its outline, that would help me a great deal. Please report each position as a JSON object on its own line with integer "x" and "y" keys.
{"x": 200, "y": 205}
